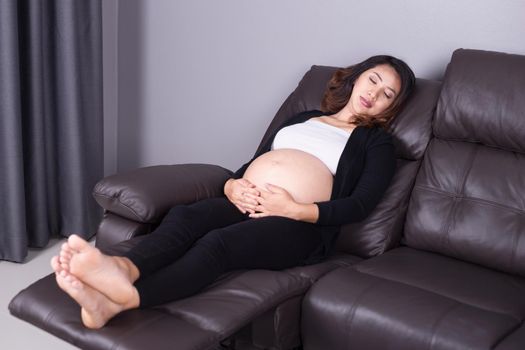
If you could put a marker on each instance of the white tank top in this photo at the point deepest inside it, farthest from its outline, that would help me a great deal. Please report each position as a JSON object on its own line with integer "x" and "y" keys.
{"x": 321, "y": 140}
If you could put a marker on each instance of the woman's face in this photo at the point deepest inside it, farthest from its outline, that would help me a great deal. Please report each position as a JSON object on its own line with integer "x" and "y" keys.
{"x": 374, "y": 91}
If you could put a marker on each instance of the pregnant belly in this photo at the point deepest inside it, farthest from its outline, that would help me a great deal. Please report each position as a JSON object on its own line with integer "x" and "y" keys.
{"x": 303, "y": 175}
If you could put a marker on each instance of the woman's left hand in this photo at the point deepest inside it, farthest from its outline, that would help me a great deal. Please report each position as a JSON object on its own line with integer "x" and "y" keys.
{"x": 275, "y": 201}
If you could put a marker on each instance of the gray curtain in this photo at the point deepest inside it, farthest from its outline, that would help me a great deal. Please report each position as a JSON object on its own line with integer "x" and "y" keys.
{"x": 51, "y": 136}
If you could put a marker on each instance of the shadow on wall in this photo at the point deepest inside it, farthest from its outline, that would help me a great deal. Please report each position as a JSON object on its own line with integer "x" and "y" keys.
{"x": 130, "y": 82}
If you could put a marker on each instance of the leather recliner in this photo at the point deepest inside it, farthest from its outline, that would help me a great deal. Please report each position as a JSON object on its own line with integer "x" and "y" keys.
{"x": 244, "y": 309}
{"x": 407, "y": 294}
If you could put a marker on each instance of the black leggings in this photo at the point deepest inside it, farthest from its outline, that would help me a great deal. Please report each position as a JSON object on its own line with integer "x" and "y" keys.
{"x": 197, "y": 243}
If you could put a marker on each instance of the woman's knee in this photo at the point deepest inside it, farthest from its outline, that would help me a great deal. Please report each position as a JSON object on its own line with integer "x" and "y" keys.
{"x": 213, "y": 248}
{"x": 213, "y": 240}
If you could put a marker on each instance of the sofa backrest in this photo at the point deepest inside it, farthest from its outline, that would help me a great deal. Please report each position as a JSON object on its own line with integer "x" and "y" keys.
{"x": 411, "y": 131}
{"x": 469, "y": 198}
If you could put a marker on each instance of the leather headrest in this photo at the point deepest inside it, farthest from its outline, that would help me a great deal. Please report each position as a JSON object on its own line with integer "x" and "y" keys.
{"x": 483, "y": 100}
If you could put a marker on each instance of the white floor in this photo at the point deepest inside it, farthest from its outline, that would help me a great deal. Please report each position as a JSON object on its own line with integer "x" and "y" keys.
{"x": 14, "y": 333}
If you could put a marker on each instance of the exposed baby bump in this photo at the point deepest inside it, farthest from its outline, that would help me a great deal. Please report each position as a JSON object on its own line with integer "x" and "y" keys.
{"x": 306, "y": 178}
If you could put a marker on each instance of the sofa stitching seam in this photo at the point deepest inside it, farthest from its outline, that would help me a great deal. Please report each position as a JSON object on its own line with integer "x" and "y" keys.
{"x": 260, "y": 309}
{"x": 457, "y": 197}
{"x": 398, "y": 214}
{"x": 47, "y": 320}
{"x": 455, "y": 304}
{"x": 509, "y": 333}
{"x": 351, "y": 315}
{"x": 477, "y": 143}
{"x": 273, "y": 302}
{"x": 142, "y": 325}
{"x": 471, "y": 199}
{"x": 516, "y": 240}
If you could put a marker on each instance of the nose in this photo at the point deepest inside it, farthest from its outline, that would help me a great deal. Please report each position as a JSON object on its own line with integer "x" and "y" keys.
{"x": 372, "y": 93}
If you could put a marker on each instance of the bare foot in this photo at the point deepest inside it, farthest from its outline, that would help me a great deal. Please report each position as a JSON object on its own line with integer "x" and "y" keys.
{"x": 110, "y": 275}
{"x": 96, "y": 308}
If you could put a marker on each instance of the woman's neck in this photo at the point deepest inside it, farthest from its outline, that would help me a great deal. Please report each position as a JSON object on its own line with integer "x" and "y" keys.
{"x": 344, "y": 115}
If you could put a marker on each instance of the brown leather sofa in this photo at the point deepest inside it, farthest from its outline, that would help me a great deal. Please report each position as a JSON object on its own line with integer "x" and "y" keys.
{"x": 439, "y": 264}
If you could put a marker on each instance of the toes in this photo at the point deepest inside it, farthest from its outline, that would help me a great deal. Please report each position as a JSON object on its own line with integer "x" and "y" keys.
{"x": 77, "y": 243}
{"x": 62, "y": 281}
{"x": 77, "y": 284}
{"x": 64, "y": 264}
{"x": 71, "y": 279}
{"x": 55, "y": 264}
{"x": 65, "y": 273}
{"x": 65, "y": 256}
{"x": 67, "y": 250}
{"x": 59, "y": 280}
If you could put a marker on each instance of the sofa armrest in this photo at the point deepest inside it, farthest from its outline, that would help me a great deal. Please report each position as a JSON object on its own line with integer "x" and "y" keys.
{"x": 146, "y": 194}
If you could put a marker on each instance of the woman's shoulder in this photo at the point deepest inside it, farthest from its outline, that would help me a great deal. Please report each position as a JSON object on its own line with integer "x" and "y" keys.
{"x": 377, "y": 135}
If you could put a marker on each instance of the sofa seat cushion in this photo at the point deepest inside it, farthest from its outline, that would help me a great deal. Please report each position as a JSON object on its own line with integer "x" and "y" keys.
{"x": 410, "y": 299}
{"x": 467, "y": 283}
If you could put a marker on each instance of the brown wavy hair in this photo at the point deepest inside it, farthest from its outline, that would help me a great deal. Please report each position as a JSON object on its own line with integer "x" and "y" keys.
{"x": 339, "y": 89}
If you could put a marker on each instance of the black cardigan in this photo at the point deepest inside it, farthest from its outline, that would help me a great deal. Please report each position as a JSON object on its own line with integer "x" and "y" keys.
{"x": 363, "y": 174}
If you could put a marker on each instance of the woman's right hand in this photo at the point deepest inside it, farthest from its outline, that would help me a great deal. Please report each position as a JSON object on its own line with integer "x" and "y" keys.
{"x": 235, "y": 190}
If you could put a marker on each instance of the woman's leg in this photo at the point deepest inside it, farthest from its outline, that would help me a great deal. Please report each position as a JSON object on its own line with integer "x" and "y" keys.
{"x": 265, "y": 243}
{"x": 180, "y": 228}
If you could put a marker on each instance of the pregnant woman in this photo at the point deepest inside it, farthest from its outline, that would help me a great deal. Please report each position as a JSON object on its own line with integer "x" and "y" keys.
{"x": 283, "y": 208}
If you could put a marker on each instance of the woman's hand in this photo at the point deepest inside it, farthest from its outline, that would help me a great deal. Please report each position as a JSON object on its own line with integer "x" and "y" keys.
{"x": 276, "y": 201}
{"x": 242, "y": 192}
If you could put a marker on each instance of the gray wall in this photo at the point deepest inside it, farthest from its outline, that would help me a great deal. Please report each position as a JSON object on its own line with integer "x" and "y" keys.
{"x": 200, "y": 80}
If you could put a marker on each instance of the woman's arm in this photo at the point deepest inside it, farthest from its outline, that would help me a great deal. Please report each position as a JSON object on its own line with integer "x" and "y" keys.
{"x": 378, "y": 171}
{"x": 307, "y": 212}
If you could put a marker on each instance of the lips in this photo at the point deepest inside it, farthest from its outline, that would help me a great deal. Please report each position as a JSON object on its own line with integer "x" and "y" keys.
{"x": 365, "y": 102}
